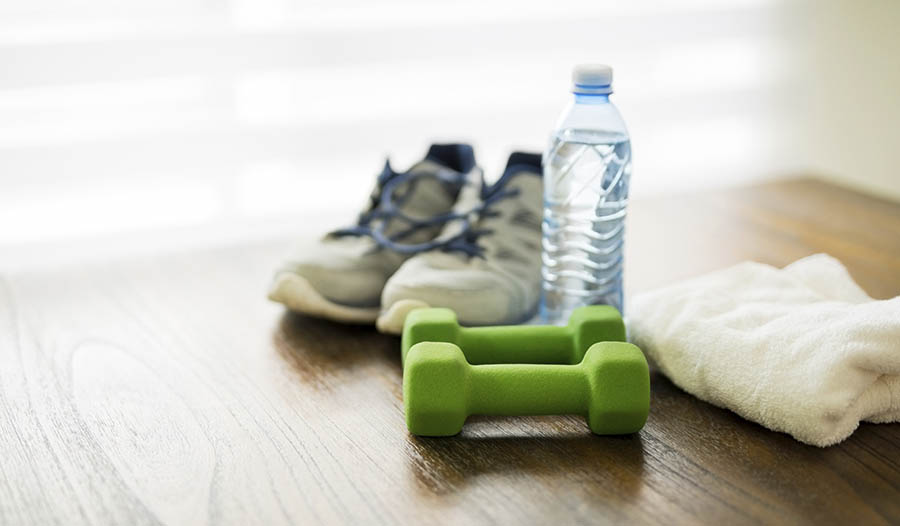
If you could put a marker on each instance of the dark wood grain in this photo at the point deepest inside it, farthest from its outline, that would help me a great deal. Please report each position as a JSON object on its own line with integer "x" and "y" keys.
{"x": 170, "y": 392}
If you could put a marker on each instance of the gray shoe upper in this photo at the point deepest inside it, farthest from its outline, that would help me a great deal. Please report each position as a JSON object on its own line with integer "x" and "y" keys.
{"x": 501, "y": 284}
{"x": 348, "y": 266}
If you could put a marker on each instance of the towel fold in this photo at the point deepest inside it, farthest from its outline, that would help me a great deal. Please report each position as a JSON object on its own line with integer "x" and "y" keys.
{"x": 801, "y": 350}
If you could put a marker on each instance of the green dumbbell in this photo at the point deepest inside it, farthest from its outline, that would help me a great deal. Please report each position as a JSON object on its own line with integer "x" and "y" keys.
{"x": 611, "y": 387}
{"x": 516, "y": 343}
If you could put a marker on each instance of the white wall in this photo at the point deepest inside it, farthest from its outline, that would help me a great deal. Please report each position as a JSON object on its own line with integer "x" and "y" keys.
{"x": 851, "y": 60}
{"x": 204, "y": 119}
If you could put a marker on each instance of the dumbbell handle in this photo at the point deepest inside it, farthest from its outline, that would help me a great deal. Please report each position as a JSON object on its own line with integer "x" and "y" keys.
{"x": 517, "y": 343}
{"x": 535, "y": 344}
{"x": 527, "y": 389}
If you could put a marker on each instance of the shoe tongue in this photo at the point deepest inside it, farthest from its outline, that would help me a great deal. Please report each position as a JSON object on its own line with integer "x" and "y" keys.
{"x": 429, "y": 167}
{"x": 525, "y": 159}
{"x": 521, "y": 163}
{"x": 468, "y": 198}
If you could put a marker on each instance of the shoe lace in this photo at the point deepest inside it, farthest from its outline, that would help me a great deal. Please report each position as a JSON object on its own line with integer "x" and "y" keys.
{"x": 384, "y": 208}
{"x": 467, "y": 241}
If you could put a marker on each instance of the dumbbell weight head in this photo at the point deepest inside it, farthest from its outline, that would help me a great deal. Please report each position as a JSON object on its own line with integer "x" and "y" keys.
{"x": 440, "y": 389}
{"x": 619, "y": 379}
{"x": 520, "y": 343}
{"x": 595, "y": 323}
{"x": 434, "y": 389}
{"x": 428, "y": 325}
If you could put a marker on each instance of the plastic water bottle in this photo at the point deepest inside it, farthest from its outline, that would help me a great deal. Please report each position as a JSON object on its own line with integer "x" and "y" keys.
{"x": 587, "y": 168}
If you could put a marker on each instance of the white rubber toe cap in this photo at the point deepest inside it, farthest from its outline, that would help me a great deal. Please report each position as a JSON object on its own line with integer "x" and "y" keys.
{"x": 295, "y": 293}
{"x": 391, "y": 320}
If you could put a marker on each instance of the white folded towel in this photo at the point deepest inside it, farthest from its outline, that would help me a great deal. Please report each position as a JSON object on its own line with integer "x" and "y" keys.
{"x": 801, "y": 350}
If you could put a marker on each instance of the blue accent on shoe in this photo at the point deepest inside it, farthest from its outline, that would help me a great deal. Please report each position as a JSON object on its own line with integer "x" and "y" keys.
{"x": 466, "y": 241}
{"x": 384, "y": 205}
{"x": 459, "y": 157}
{"x": 519, "y": 163}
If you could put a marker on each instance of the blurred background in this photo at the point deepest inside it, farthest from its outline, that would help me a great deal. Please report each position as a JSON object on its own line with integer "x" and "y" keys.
{"x": 131, "y": 126}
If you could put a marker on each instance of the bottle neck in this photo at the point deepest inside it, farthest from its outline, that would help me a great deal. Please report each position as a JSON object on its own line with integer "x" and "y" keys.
{"x": 585, "y": 98}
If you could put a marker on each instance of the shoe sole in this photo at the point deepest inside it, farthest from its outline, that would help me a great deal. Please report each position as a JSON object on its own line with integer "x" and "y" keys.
{"x": 296, "y": 293}
{"x": 391, "y": 320}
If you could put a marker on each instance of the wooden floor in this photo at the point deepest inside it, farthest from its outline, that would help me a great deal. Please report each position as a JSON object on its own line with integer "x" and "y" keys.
{"x": 171, "y": 392}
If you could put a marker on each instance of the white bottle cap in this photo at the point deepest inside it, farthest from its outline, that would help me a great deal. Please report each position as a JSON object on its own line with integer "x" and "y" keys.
{"x": 592, "y": 79}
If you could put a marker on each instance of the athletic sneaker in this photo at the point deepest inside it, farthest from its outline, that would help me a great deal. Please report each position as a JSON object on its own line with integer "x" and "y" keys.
{"x": 341, "y": 276}
{"x": 490, "y": 272}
